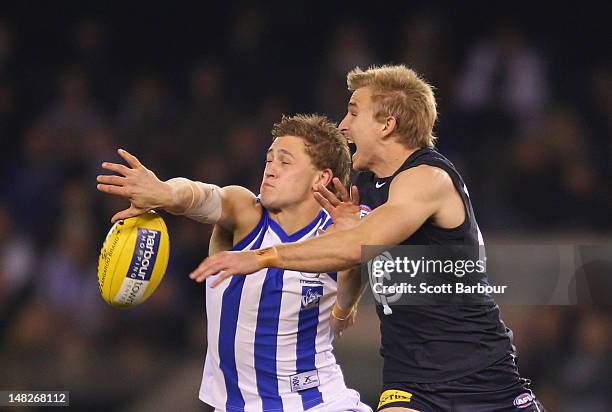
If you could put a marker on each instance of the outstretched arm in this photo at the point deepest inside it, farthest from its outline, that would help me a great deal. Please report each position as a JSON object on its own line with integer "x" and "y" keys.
{"x": 202, "y": 202}
{"x": 414, "y": 196}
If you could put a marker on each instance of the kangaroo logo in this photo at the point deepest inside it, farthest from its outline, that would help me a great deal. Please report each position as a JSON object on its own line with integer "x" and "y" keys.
{"x": 311, "y": 297}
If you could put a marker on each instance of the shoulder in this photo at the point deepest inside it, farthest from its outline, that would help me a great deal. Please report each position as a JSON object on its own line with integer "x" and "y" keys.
{"x": 423, "y": 182}
{"x": 238, "y": 194}
{"x": 240, "y": 198}
{"x": 242, "y": 204}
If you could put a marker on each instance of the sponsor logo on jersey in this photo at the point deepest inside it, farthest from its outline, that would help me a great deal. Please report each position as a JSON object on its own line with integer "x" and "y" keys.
{"x": 393, "y": 395}
{"x": 524, "y": 400}
{"x": 310, "y": 282}
{"x": 311, "y": 296}
{"x": 378, "y": 186}
{"x": 304, "y": 380}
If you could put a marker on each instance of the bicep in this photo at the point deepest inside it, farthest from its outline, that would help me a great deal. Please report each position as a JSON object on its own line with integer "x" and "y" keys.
{"x": 390, "y": 224}
{"x": 413, "y": 198}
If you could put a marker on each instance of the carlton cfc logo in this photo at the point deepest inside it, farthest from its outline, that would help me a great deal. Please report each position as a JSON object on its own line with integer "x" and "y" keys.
{"x": 524, "y": 400}
{"x": 364, "y": 210}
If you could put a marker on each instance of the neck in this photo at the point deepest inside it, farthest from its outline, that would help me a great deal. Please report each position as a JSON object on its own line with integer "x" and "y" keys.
{"x": 391, "y": 159}
{"x": 295, "y": 217}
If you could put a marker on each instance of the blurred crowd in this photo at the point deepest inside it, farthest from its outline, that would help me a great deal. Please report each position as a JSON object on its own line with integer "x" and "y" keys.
{"x": 527, "y": 124}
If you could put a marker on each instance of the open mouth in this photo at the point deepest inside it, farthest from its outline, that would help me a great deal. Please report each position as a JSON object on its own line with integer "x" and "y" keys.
{"x": 352, "y": 148}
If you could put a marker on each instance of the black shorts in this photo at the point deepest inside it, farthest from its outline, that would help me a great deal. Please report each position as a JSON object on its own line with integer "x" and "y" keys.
{"x": 496, "y": 388}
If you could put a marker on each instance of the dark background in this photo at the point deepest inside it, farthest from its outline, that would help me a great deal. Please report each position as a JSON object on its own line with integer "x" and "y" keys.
{"x": 525, "y": 99}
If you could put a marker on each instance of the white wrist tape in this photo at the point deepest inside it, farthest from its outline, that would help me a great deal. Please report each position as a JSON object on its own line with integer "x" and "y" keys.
{"x": 206, "y": 205}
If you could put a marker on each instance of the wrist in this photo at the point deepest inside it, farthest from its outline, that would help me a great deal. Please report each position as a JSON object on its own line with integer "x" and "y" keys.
{"x": 167, "y": 200}
{"x": 342, "y": 314}
{"x": 268, "y": 257}
{"x": 177, "y": 195}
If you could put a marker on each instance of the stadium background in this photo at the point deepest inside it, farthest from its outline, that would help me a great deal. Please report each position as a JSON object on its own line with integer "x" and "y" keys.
{"x": 525, "y": 100}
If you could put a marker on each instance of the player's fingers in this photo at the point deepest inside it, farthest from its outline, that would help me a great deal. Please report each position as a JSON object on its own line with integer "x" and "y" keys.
{"x": 113, "y": 190}
{"x": 209, "y": 266}
{"x": 197, "y": 271}
{"x": 130, "y": 159}
{"x": 344, "y": 195}
{"x": 117, "y": 168}
{"x": 327, "y": 194}
{"x": 323, "y": 202}
{"x": 127, "y": 213}
{"x": 224, "y": 274}
{"x": 355, "y": 195}
{"x": 111, "y": 180}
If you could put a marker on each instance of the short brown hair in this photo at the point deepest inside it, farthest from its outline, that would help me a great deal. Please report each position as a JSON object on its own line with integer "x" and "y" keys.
{"x": 399, "y": 92}
{"x": 326, "y": 146}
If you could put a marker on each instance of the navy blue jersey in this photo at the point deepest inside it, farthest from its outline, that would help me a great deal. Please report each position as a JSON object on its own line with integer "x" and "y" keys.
{"x": 435, "y": 343}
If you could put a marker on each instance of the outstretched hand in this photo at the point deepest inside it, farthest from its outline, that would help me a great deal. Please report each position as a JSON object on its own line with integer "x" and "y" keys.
{"x": 344, "y": 211}
{"x": 136, "y": 183}
{"x": 226, "y": 264}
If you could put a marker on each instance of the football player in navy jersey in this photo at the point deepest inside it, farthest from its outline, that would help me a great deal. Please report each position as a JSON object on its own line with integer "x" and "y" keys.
{"x": 436, "y": 358}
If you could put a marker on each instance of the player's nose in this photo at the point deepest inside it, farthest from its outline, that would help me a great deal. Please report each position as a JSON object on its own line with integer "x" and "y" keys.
{"x": 271, "y": 170}
{"x": 343, "y": 126}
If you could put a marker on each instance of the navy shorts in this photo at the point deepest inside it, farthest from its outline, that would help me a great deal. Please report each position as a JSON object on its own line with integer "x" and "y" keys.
{"x": 498, "y": 388}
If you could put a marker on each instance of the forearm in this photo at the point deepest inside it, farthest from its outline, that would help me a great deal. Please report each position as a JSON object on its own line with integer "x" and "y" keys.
{"x": 195, "y": 200}
{"x": 327, "y": 253}
{"x": 349, "y": 288}
{"x": 341, "y": 250}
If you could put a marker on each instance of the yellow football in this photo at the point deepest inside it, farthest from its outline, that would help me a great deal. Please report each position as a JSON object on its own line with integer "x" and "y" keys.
{"x": 133, "y": 260}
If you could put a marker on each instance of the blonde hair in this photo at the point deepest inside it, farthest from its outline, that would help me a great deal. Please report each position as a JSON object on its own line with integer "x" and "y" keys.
{"x": 325, "y": 144}
{"x": 399, "y": 92}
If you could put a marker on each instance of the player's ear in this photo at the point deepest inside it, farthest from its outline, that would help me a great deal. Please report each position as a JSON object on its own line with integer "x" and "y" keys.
{"x": 389, "y": 126}
{"x": 323, "y": 177}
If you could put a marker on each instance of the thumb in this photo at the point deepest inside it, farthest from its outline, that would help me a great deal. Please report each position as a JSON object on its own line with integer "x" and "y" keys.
{"x": 126, "y": 214}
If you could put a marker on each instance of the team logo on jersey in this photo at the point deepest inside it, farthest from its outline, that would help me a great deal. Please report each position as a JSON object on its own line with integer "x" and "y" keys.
{"x": 393, "y": 395}
{"x": 311, "y": 295}
{"x": 385, "y": 299}
{"x": 524, "y": 400}
{"x": 364, "y": 210}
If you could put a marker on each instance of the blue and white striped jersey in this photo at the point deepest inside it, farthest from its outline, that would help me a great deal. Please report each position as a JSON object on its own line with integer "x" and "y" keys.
{"x": 269, "y": 340}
